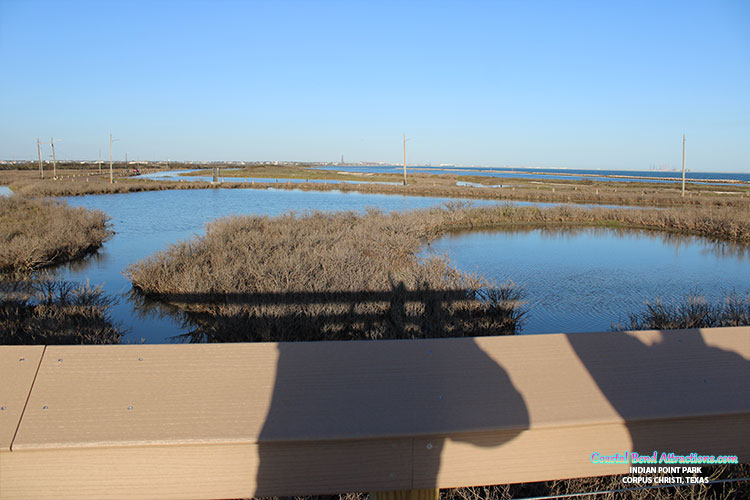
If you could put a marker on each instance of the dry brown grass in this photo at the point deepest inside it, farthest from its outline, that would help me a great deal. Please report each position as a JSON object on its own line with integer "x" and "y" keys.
{"x": 39, "y": 233}
{"x": 727, "y": 224}
{"x": 78, "y": 183}
{"x": 321, "y": 277}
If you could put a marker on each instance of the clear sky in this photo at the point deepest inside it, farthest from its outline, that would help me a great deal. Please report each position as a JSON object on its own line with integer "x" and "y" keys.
{"x": 595, "y": 84}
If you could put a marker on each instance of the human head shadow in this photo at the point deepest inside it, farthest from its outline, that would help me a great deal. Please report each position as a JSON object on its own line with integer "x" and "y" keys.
{"x": 388, "y": 390}
{"x": 665, "y": 380}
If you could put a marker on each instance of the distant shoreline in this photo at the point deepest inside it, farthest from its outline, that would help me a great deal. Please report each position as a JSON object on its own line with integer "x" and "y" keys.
{"x": 609, "y": 176}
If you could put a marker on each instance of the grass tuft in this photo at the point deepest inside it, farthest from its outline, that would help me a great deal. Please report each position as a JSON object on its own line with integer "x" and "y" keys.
{"x": 692, "y": 312}
{"x": 39, "y": 233}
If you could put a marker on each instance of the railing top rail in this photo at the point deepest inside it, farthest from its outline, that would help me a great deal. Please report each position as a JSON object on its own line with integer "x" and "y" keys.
{"x": 264, "y": 392}
{"x": 238, "y": 420}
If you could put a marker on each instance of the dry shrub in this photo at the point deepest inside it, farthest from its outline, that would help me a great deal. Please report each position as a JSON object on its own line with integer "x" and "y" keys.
{"x": 38, "y": 233}
{"x": 322, "y": 277}
{"x": 726, "y": 224}
{"x": 692, "y": 312}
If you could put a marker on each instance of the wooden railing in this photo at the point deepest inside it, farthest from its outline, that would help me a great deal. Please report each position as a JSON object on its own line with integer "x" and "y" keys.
{"x": 242, "y": 420}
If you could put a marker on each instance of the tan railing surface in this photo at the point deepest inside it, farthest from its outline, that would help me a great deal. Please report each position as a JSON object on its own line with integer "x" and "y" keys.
{"x": 261, "y": 419}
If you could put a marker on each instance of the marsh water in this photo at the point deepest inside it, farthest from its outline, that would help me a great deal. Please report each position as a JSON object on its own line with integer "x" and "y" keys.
{"x": 653, "y": 176}
{"x": 580, "y": 280}
{"x": 589, "y": 279}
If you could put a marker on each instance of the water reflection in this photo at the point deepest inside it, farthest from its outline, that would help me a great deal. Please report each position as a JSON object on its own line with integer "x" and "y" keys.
{"x": 709, "y": 247}
{"x": 391, "y": 313}
{"x": 588, "y": 279}
{"x": 96, "y": 258}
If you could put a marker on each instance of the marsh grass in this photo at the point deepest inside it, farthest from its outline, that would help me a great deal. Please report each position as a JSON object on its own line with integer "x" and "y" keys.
{"x": 694, "y": 311}
{"x": 45, "y": 311}
{"x": 97, "y": 184}
{"x": 322, "y": 277}
{"x": 724, "y": 224}
{"x": 38, "y": 233}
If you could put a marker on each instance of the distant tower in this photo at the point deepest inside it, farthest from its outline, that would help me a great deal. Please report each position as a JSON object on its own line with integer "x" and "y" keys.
{"x": 342, "y": 158}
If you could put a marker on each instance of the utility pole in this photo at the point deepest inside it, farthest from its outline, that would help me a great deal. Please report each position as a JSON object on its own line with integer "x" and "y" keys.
{"x": 39, "y": 152}
{"x": 100, "y": 160}
{"x": 111, "y": 174}
{"x": 404, "y": 159}
{"x": 683, "y": 164}
{"x": 54, "y": 161}
{"x": 126, "y": 159}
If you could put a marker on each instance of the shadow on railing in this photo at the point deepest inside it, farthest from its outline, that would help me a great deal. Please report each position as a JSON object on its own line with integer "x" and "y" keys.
{"x": 640, "y": 380}
{"x": 457, "y": 390}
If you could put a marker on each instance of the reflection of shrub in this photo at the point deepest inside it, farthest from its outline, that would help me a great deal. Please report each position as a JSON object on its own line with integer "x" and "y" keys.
{"x": 692, "y": 312}
{"x": 322, "y": 277}
{"x": 39, "y": 233}
{"x": 55, "y": 312}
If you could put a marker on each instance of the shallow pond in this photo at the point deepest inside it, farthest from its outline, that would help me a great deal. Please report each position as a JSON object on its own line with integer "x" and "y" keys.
{"x": 587, "y": 279}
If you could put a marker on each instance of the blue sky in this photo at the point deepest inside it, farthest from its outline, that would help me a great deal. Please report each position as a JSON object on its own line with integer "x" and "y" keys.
{"x": 568, "y": 84}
